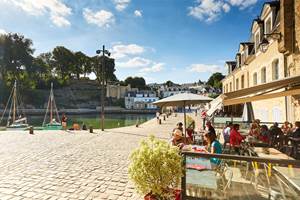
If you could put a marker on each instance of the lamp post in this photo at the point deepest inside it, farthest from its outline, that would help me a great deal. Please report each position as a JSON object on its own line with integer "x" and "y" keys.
{"x": 265, "y": 41}
{"x": 104, "y": 52}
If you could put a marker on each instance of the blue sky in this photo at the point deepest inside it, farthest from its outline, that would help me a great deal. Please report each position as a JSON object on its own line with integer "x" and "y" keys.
{"x": 160, "y": 40}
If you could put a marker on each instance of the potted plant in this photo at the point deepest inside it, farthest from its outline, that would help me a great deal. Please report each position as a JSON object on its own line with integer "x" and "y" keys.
{"x": 156, "y": 169}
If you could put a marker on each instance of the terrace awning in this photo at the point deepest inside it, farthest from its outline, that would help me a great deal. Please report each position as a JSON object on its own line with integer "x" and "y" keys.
{"x": 279, "y": 88}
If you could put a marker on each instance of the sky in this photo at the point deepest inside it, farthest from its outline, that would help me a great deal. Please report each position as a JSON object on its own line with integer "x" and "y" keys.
{"x": 178, "y": 40}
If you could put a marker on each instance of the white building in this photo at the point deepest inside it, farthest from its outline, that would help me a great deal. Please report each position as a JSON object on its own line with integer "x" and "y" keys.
{"x": 140, "y": 100}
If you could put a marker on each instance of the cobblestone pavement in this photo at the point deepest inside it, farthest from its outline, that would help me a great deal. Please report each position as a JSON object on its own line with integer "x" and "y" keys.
{"x": 71, "y": 166}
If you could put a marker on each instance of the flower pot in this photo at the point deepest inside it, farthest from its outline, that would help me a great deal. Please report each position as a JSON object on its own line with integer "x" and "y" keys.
{"x": 150, "y": 197}
{"x": 176, "y": 192}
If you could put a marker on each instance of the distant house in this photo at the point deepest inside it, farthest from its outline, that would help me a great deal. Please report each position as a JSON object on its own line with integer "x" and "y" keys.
{"x": 118, "y": 91}
{"x": 140, "y": 100}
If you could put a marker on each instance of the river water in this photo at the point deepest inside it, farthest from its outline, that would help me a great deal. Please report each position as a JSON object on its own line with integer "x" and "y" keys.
{"x": 111, "y": 120}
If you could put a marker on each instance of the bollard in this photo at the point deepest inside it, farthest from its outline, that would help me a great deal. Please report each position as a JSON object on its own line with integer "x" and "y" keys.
{"x": 91, "y": 129}
{"x": 164, "y": 118}
{"x": 31, "y": 130}
{"x": 175, "y": 114}
{"x": 159, "y": 121}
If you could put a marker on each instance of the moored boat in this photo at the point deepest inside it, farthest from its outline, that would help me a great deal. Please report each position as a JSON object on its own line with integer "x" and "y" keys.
{"x": 16, "y": 119}
{"x": 54, "y": 120}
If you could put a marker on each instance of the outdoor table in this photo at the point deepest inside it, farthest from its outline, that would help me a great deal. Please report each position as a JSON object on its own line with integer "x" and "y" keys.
{"x": 291, "y": 175}
{"x": 271, "y": 153}
{"x": 200, "y": 178}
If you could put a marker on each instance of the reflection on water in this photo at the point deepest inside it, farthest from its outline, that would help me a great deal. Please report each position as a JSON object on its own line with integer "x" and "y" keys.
{"x": 111, "y": 120}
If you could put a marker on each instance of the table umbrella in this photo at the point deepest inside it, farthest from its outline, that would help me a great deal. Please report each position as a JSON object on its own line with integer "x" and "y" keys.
{"x": 183, "y": 100}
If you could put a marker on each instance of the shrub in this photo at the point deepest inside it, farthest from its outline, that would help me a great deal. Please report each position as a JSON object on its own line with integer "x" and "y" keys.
{"x": 155, "y": 168}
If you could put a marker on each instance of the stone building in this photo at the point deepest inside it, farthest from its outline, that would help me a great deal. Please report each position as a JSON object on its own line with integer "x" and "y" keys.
{"x": 118, "y": 91}
{"x": 266, "y": 69}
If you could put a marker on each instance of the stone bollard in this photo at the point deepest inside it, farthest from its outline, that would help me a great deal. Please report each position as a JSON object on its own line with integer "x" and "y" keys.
{"x": 31, "y": 130}
{"x": 91, "y": 129}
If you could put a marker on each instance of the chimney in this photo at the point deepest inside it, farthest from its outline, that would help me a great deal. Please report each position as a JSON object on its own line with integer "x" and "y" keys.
{"x": 287, "y": 14}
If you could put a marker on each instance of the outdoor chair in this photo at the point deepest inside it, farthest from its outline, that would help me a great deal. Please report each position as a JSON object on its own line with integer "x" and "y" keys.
{"x": 286, "y": 192}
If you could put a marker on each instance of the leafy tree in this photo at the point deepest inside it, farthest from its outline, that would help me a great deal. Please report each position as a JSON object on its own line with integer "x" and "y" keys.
{"x": 82, "y": 64}
{"x": 97, "y": 68}
{"x": 136, "y": 82}
{"x": 215, "y": 80}
{"x": 16, "y": 56}
{"x": 63, "y": 62}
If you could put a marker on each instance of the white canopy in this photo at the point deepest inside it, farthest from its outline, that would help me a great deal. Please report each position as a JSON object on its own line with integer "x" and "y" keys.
{"x": 215, "y": 104}
{"x": 183, "y": 99}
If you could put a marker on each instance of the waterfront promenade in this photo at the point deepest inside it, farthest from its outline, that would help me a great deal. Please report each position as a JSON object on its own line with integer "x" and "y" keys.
{"x": 72, "y": 165}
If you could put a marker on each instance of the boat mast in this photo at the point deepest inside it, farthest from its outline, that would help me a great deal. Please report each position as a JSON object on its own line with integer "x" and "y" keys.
{"x": 51, "y": 102}
{"x": 14, "y": 102}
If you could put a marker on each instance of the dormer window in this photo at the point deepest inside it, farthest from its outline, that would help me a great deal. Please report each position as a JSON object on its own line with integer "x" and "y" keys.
{"x": 268, "y": 26}
{"x": 257, "y": 40}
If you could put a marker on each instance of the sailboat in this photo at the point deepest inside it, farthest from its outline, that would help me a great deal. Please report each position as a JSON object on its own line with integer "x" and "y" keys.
{"x": 54, "y": 120}
{"x": 16, "y": 118}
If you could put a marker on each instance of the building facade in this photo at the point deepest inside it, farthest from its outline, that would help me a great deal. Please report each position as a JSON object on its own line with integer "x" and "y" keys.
{"x": 266, "y": 68}
{"x": 140, "y": 100}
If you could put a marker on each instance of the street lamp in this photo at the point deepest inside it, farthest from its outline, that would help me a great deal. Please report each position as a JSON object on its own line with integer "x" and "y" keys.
{"x": 265, "y": 41}
{"x": 104, "y": 52}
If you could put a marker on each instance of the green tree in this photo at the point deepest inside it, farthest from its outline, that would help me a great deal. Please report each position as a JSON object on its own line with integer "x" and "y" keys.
{"x": 215, "y": 80}
{"x": 82, "y": 64}
{"x": 16, "y": 56}
{"x": 109, "y": 72}
{"x": 136, "y": 82}
{"x": 64, "y": 63}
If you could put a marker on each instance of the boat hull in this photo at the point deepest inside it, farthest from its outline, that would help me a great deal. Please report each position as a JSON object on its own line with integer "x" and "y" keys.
{"x": 17, "y": 127}
{"x": 53, "y": 127}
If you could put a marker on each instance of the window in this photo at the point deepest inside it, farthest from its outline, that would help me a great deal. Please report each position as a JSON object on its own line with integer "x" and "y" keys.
{"x": 257, "y": 41}
{"x": 275, "y": 69}
{"x": 268, "y": 27}
{"x": 237, "y": 84}
{"x": 230, "y": 87}
{"x": 263, "y": 75}
{"x": 242, "y": 82}
{"x": 255, "y": 78}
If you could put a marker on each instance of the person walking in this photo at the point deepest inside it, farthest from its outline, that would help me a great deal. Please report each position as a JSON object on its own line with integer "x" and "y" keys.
{"x": 64, "y": 121}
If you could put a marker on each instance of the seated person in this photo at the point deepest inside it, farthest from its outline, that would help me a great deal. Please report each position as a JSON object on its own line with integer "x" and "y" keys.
{"x": 179, "y": 126}
{"x": 214, "y": 147}
{"x": 226, "y": 132}
{"x": 190, "y": 131}
{"x": 254, "y": 130}
{"x": 296, "y": 133}
{"x": 177, "y": 138}
{"x": 236, "y": 138}
{"x": 264, "y": 134}
{"x": 210, "y": 128}
{"x": 275, "y": 135}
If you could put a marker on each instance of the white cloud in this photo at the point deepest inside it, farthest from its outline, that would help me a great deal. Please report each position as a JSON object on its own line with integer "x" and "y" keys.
{"x": 120, "y": 50}
{"x": 138, "y": 13}
{"x": 57, "y": 10}
{"x": 2, "y": 31}
{"x": 121, "y": 4}
{"x": 242, "y": 4}
{"x": 202, "y": 68}
{"x": 136, "y": 62}
{"x": 211, "y": 10}
{"x": 155, "y": 68}
{"x": 102, "y": 18}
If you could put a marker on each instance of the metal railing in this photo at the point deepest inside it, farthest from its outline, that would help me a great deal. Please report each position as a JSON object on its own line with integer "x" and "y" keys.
{"x": 251, "y": 168}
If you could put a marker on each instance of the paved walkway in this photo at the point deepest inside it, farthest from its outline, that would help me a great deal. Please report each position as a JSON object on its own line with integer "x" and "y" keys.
{"x": 72, "y": 165}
